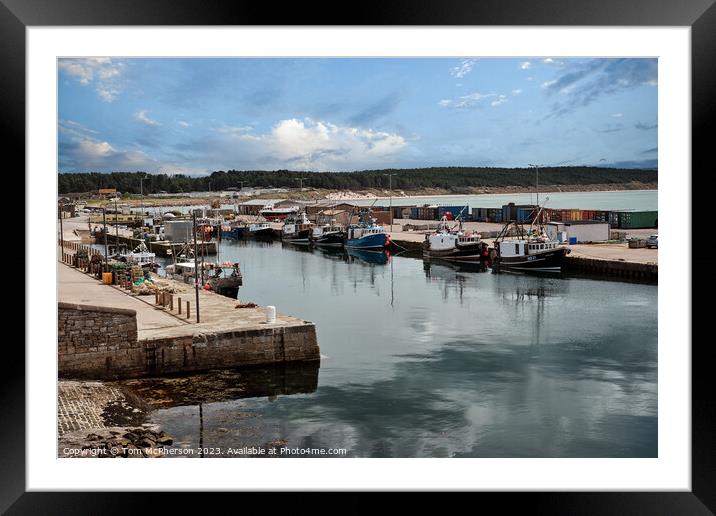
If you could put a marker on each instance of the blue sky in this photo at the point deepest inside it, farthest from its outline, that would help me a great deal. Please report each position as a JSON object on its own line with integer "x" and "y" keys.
{"x": 195, "y": 116}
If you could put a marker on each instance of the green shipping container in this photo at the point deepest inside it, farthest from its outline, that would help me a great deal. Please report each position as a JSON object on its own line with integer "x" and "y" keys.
{"x": 638, "y": 219}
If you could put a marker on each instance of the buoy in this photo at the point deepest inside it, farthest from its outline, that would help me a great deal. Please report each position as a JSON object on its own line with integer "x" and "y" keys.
{"x": 207, "y": 287}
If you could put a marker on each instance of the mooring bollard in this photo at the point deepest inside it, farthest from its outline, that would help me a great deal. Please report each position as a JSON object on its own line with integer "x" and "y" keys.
{"x": 270, "y": 314}
{"x": 179, "y": 305}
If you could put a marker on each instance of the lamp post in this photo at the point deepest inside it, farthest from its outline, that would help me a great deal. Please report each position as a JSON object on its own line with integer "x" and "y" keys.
{"x": 116, "y": 227}
{"x": 300, "y": 180}
{"x": 141, "y": 188}
{"x": 62, "y": 233}
{"x": 104, "y": 223}
{"x": 196, "y": 268}
{"x": 390, "y": 189}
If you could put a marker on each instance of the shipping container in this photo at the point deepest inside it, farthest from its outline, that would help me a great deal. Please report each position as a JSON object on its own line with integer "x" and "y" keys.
{"x": 455, "y": 212}
{"x": 638, "y": 219}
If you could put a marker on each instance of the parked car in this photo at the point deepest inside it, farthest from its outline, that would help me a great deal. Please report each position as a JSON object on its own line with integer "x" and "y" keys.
{"x": 652, "y": 241}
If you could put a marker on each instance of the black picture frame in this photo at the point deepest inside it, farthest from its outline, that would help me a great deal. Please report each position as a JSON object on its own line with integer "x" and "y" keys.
{"x": 700, "y": 15}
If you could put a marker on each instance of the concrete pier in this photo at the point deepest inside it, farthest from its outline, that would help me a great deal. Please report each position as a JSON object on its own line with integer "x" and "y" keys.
{"x": 159, "y": 340}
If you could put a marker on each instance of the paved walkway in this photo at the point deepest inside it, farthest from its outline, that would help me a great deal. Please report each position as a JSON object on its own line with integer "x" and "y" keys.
{"x": 77, "y": 287}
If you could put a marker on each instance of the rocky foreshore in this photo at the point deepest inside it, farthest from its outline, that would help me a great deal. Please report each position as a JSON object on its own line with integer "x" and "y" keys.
{"x": 115, "y": 442}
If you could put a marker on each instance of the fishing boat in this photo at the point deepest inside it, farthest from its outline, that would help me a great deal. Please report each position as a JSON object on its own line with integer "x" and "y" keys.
{"x": 140, "y": 256}
{"x": 452, "y": 243}
{"x": 328, "y": 235}
{"x": 223, "y": 278}
{"x": 366, "y": 236}
{"x": 260, "y": 230}
{"x": 270, "y": 212}
{"x": 528, "y": 250}
{"x": 233, "y": 231}
{"x": 297, "y": 230}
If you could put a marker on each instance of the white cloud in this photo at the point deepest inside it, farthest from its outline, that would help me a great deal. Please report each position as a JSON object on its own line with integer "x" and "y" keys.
{"x": 107, "y": 94}
{"x": 525, "y": 65}
{"x": 84, "y": 154}
{"x": 473, "y": 100}
{"x": 617, "y": 115}
{"x": 183, "y": 123}
{"x": 464, "y": 68}
{"x": 141, "y": 116}
{"x": 547, "y": 84}
{"x": 304, "y": 144}
{"x": 516, "y": 92}
{"x": 103, "y": 72}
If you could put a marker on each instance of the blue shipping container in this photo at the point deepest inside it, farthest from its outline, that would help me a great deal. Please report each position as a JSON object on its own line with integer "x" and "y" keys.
{"x": 456, "y": 211}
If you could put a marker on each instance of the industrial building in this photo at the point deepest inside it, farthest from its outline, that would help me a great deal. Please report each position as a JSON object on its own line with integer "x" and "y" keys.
{"x": 581, "y": 230}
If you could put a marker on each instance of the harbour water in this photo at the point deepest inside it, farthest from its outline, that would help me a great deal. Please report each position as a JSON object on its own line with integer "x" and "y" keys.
{"x": 429, "y": 360}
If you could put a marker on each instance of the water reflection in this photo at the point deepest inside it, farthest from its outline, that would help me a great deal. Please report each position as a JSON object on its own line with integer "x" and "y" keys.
{"x": 436, "y": 360}
{"x": 227, "y": 384}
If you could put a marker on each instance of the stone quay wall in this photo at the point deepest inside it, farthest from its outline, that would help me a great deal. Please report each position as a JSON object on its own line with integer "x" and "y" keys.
{"x": 96, "y": 341}
{"x": 101, "y": 343}
{"x": 202, "y": 351}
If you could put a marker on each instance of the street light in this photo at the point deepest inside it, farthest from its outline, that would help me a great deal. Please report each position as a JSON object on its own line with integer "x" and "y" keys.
{"x": 390, "y": 188}
{"x": 141, "y": 189}
{"x": 300, "y": 179}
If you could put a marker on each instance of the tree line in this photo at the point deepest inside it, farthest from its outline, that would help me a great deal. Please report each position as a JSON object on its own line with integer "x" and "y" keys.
{"x": 454, "y": 179}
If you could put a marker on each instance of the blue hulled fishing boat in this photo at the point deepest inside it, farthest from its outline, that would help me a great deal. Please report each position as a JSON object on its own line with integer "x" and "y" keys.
{"x": 366, "y": 235}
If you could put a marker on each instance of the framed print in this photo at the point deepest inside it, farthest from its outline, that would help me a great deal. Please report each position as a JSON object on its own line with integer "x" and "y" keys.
{"x": 415, "y": 250}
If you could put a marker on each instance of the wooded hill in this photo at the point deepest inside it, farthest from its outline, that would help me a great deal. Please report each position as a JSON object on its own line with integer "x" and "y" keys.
{"x": 454, "y": 179}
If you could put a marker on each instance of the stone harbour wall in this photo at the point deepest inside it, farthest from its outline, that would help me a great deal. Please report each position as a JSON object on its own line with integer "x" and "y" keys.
{"x": 101, "y": 343}
{"x": 232, "y": 349}
{"x": 96, "y": 341}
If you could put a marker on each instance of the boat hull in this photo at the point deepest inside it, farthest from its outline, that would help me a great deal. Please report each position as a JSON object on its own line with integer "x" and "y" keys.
{"x": 547, "y": 261}
{"x": 330, "y": 239}
{"x": 302, "y": 237}
{"x": 233, "y": 233}
{"x": 372, "y": 241}
{"x": 468, "y": 253}
{"x": 261, "y": 233}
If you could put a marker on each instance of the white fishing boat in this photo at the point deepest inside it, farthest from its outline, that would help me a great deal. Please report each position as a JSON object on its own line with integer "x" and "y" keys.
{"x": 454, "y": 244}
{"x": 139, "y": 256}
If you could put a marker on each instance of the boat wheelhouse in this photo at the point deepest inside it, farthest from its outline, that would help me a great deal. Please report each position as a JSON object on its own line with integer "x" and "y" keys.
{"x": 329, "y": 235}
{"x": 223, "y": 278}
{"x": 529, "y": 250}
{"x": 140, "y": 256}
{"x": 297, "y": 230}
{"x": 260, "y": 229}
{"x": 448, "y": 243}
{"x": 366, "y": 236}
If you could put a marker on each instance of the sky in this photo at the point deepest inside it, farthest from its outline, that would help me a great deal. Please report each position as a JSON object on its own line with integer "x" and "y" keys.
{"x": 195, "y": 116}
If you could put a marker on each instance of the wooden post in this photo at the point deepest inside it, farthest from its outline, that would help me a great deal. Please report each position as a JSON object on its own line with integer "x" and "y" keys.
{"x": 179, "y": 305}
{"x": 171, "y": 302}
{"x": 188, "y": 314}
{"x": 156, "y": 298}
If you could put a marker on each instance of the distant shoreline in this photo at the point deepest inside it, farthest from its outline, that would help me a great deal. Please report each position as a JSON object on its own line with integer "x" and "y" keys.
{"x": 544, "y": 189}
{"x": 329, "y": 196}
